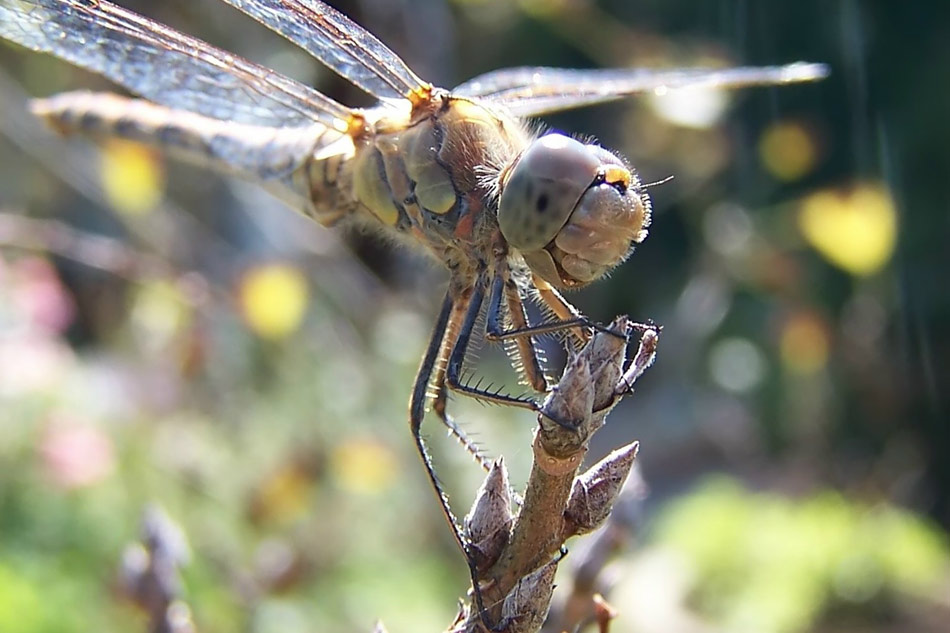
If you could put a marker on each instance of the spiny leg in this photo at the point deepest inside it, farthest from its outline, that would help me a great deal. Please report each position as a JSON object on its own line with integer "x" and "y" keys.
{"x": 431, "y": 375}
{"x": 561, "y": 308}
{"x": 437, "y": 343}
{"x": 445, "y": 335}
{"x": 453, "y": 376}
{"x": 521, "y": 332}
{"x": 527, "y": 362}
{"x": 567, "y": 313}
{"x": 439, "y": 393}
{"x": 435, "y": 382}
{"x": 567, "y": 317}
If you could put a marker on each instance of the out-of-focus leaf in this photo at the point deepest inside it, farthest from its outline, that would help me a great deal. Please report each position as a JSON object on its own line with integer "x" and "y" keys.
{"x": 767, "y": 563}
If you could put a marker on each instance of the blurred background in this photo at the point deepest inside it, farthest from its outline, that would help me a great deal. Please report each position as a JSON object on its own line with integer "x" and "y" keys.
{"x": 172, "y": 339}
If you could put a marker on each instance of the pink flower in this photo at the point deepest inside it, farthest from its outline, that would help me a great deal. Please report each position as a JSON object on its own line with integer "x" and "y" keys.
{"x": 42, "y": 296}
{"x": 76, "y": 455}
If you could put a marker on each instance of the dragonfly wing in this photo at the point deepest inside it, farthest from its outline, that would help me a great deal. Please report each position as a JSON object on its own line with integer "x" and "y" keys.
{"x": 163, "y": 65}
{"x": 343, "y": 45}
{"x": 529, "y": 91}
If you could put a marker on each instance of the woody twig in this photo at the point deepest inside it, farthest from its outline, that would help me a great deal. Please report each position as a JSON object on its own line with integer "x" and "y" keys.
{"x": 149, "y": 574}
{"x": 516, "y": 556}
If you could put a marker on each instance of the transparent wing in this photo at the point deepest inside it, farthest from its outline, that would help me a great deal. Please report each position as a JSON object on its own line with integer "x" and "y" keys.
{"x": 530, "y": 91}
{"x": 340, "y": 43}
{"x": 163, "y": 65}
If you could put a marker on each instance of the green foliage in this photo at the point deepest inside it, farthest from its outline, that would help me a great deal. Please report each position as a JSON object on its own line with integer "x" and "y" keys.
{"x": 45, "y": 595}
{"x": 768, "y": 563}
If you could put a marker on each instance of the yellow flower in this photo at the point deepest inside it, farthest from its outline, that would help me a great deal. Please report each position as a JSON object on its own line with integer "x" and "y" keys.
{"x": 273, "y": 299}
{"x": 132, "y": 177}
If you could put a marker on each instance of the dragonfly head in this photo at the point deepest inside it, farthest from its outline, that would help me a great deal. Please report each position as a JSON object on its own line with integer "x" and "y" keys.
{"x": 572, "y": 210}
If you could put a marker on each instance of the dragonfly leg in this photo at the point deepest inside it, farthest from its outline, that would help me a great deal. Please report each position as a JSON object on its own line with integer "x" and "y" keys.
{"x": 495, "y": 330}
{"x": 567, "y": 318}
{"x": 561, "y": 308}
{"x": 418, "y": 401}
{"x": 439, "y": 407}
{"x": 569, "y": 315}
{"x": 445, "y": 336}
{"x": 524, "y": 355}
{"x": 453, "y": 376}
{"x": 430, "y": 382}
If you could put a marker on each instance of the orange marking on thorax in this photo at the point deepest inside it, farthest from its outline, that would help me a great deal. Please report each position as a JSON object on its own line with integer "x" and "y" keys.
{"x": 420, "y": 96}
{"x": 465, "y": 225}
{"x": 417, "y": 234}
{"x": 356, "y": 125}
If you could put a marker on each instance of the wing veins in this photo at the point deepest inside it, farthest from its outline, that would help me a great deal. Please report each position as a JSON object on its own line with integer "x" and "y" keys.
{"x": 228, "y": 62}
{"x": 231, "y": 63}
{"x": 528, "y": 91}
{"x": 252, "y": 93}
{"x": 346, "y": 42}
{"x": 338, "y": 42}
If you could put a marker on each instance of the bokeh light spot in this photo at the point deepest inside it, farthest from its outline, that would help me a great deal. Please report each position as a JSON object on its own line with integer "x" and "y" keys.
{"x": 855, "y": 231}
{"x": 132, "y": 177}
{"x": 788, "y": 150}
{"x": 284, "y": 496}
{"x": 76, "y": 455}
{"x": 700, "y": 107}
{"x": 273, "y": 300}
{"x": 804, "y": 343}
{"x": 159, "y": 312}
{"x": 39, "y": 293}
{"x": 737, "y": 365}
{"x": 364, "y": 466}
{"x": 728, "y": 229}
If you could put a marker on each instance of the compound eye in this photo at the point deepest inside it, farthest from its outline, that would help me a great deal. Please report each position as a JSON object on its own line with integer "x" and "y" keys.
{"x": 543, "y": 188}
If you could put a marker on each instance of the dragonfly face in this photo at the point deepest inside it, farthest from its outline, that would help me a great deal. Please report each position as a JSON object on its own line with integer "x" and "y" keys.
{"x": 572, "y": 210}
{"x": 415, "y": 165}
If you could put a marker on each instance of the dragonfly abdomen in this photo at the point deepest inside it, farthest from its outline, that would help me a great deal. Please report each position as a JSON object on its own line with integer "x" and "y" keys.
{"x": 263, "y": 153}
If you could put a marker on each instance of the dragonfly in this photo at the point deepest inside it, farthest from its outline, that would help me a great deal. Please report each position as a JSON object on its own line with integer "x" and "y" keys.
{"x": 514, "y": 216}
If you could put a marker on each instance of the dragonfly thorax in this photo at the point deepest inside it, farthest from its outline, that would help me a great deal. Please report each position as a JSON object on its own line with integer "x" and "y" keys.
{"x": 572, "y": 210}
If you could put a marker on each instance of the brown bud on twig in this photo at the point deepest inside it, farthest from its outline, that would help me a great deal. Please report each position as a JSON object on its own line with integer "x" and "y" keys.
{"x": 585, "y": 394}
{"x": 603, "y": 613}
{"x": 594, "y": 492}
{"x": 487, "y": 526}
{"x": 526, "y": 605}
{"x": 606, "y": 363}
{"x": 516, "y": 589}
{"x": 646, "y": 354}
{"x": 567, "y": 407}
